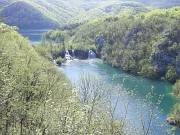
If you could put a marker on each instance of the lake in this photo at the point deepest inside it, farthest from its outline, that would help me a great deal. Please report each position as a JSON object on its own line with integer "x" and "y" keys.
{"x": 34, "y": 35}
{"x": 141, "y": 87}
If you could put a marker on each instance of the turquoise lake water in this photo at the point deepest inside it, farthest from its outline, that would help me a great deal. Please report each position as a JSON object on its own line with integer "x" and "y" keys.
{"x": 141, "y": 86}
{"x": 34, "y": 35}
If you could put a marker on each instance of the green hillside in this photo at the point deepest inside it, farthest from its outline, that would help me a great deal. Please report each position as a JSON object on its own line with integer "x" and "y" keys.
{"x": 158, "y": 3}
{"x": 38, "y": 14}
{"x": 146, "y": 44}
{"x": 154, "y": 3}
{"x": 36, "y": 98}
{"x": 53, "y": 13}
{"x": 110, "y": 9}
{"x": 25, "y": 15}
{"x": 165, "y": 3}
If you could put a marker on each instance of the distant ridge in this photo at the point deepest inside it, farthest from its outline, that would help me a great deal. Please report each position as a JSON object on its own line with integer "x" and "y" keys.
{"x": 111, "y": 10}
{"x": 37, "y": 14}
{"x": 55, "y": 13}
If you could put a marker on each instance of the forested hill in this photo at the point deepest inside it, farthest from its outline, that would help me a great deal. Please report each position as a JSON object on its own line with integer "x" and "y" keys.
{"x": 147, "y": 44}
{"x": 36, "y": 98}
{"x": 53, "y": 13}
{"x": 111, "y": 9}
{"x": 37, "y": 14}
{"x": 25, "y": 15}
{"x": 160, "y": 3}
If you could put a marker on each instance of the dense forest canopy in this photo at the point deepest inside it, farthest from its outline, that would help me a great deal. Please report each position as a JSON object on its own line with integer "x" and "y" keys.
{"x": 115, "y": 8}
{"x": 49, "y": 13}
{"x": 131, "y": 35}
{"x": 145, "y": 44}
{"x": 142, "y": 43}
{"x": 36, "y": 98}
{"x": 53, "y": 13}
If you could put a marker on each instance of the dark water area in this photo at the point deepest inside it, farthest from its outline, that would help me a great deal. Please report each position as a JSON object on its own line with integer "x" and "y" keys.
{"x": 141, "y": 87}
{"x": 34, "y": 35}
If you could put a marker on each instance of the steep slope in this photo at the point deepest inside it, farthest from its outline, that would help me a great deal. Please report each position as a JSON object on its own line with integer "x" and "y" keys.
{"x": 57, "y": 9}
{"x": 37, "y": 96}
{"x": 53, "y": 13}
{"x": 147, "y": 44}
{"x": 44, "y": 13}
{"x": 24, "y": 15}
{"x": 97, "y": 9}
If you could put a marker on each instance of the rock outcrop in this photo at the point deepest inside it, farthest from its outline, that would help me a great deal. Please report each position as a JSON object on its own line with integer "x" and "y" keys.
{"x": 167, "y": 52}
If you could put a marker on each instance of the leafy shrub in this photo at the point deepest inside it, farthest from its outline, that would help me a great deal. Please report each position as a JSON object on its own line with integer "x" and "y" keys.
{"x": 59, "y": 60}
{"x": 177, "y": 87}
{"x": 171, "y": 73}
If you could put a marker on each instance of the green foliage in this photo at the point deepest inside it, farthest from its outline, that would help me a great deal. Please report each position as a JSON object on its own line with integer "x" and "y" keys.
{"x": 85, "y": 48}
{"x": 29, "y": 85}
{"x": 145, "y": 44}
{"x": 42, "y": 51}
{"x": 59, "y": 60}
{"x": 110, "y": 9}
{"x": 54, "y": 42}
{"x": 55, "y": 36}
{"x": 177, "y": 88}
{"x": 38, "y": 14}
{"x": 98, "y": 97}
{"x": 171, "y": 73}
{"x": 59, "y": 40}
{"x": 4, "y": 28}
{"x": 26, "y": 16}
{"x": 148, "y": 71}
{"x": 35, "y": 98}
{"x": 174, "y": 117}
{"x": 53, "y": 13}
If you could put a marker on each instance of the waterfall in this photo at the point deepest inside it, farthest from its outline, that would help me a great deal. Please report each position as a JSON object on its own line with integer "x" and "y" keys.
{"x": 68, "y": 56}
{"x": 67, "y": 52}
{"x": 73, "y": 54}
{"x": 91, "y": 55}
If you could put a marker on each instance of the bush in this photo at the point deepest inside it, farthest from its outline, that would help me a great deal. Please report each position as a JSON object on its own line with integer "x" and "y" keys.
{"x": 174, "y": 117}
{"x": 171, "y": 74}
{"x": 177, "y": 88}
{"x": 59, "y": 61}
{"x": 148, "y": 71}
